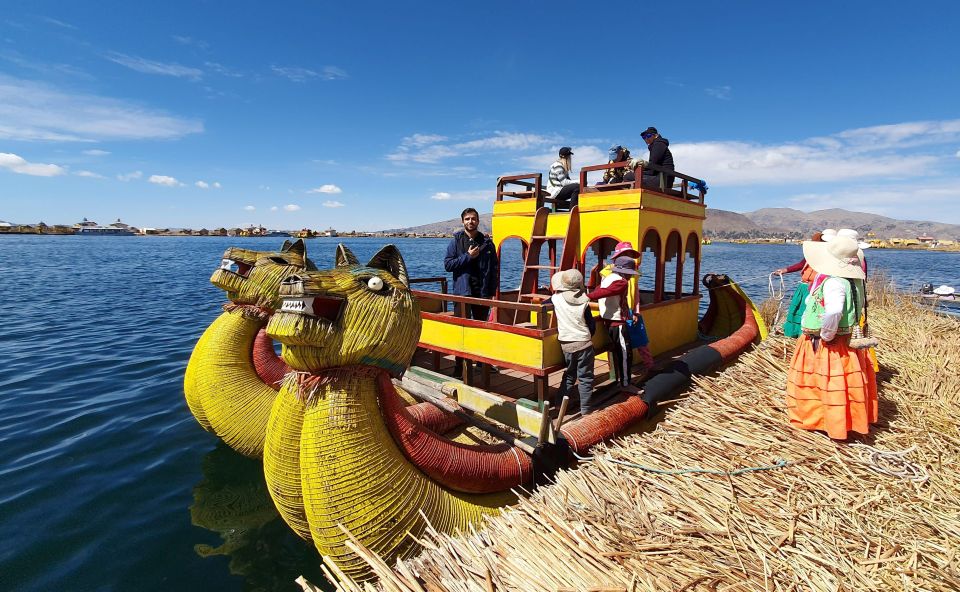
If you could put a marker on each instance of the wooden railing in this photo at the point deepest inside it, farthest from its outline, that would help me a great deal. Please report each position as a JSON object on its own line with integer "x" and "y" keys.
{"x": 531, "y": 188}
{"x": 543, "y": 319}
{"x": 637, "y": 183}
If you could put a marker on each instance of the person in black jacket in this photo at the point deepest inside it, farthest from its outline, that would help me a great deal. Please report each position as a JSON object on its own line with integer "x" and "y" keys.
{"x": 472, "y": 259}
{"x": 660, "y": 156}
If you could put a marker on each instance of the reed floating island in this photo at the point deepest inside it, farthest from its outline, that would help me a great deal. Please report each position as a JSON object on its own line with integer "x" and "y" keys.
{"x": 369, "y": 434}
{"x": 725, "y": 495}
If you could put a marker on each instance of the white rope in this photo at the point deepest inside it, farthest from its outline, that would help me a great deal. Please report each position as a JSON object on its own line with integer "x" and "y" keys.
{"x": 892, "y": 463}
{"x": 776, "y": 295}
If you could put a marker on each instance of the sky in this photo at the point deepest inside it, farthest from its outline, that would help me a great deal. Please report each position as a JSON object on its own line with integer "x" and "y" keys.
{"x": 368, "y": 116}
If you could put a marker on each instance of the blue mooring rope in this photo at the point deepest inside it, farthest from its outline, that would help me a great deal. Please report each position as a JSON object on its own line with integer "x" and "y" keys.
{"x": 781, "y": 463}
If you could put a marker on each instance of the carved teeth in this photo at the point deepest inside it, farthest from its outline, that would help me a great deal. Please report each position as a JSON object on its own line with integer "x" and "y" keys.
{"x": 298, "y": 305}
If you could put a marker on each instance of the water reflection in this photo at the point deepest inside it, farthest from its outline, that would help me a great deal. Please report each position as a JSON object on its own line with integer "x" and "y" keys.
{"x": 232, "y": 501}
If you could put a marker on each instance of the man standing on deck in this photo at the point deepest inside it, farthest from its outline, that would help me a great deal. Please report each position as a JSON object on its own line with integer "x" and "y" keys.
{"x": 472, "y": 259}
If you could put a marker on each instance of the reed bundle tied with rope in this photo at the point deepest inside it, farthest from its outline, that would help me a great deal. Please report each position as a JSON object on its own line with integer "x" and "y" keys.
{"x": 820, "y": 516}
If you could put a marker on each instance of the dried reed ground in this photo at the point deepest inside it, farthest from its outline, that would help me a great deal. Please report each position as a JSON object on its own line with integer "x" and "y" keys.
{"x": 824, "y": 522}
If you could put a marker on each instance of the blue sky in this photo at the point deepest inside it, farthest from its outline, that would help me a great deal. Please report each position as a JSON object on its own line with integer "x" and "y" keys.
{"x": 379, "y": 115}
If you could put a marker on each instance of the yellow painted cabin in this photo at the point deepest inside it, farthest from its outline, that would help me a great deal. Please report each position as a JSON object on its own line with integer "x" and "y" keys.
{"x": 665, "y": 226}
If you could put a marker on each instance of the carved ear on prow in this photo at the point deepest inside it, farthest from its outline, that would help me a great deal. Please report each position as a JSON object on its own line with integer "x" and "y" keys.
{"x": 286, "y": 245}
{"x": 389, "y": 259}
{"x": 296, "y": 246}
{"x": 345, "y": 256}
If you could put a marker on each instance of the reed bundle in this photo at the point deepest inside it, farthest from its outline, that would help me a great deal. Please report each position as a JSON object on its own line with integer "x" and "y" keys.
{"x": 830, "y": 519}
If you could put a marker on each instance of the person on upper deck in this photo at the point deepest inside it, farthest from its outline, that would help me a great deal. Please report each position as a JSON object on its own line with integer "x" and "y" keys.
{"x": 561, "y": 187}
{"x": 617, "y": 153}
{"x": 660, "y": 156}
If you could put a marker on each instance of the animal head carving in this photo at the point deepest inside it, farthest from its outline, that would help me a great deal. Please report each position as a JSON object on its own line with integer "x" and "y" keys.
{"x": 254, "y": 277}
{"x": 351, "y": 314}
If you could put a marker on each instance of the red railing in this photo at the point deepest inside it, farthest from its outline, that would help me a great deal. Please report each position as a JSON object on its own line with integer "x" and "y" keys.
{"x": 685, "y": 181}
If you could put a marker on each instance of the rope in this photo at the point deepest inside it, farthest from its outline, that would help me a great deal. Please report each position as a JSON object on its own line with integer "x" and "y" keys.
{"x": 780, "y": 463}
{"x": 892, "y": 463}
{"x": 776, "y": 295}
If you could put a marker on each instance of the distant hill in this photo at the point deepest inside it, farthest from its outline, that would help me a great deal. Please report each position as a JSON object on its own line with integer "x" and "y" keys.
{"x": 769, "y": 222}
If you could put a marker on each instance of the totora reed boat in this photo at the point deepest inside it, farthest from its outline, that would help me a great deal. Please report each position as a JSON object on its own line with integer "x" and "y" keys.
{"x": 369, "y": 432}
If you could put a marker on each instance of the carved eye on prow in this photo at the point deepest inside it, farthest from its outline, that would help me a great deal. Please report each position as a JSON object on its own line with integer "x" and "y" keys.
{"x": 375, "y": 284}
{"x": 279, "y": 261}
{"x": 292, "y": 285}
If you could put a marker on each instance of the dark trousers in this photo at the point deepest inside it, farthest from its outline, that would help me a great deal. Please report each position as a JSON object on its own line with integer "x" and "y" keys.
{"x": 477, "y": 313}
{"x": 567, "y": 197}
{"x": 579, "y": 371}
{"x": 650, "y": 181}
{"x": 621, "y": 353}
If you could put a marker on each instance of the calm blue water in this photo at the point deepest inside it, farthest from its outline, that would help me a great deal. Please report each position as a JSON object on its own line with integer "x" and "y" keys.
{"x": 106, "y": 480}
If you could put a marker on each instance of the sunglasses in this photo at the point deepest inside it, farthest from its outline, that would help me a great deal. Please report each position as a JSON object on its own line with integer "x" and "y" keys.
{"x": 646, "y": 136}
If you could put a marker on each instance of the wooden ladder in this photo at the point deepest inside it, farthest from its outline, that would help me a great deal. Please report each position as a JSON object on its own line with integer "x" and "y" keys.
{"x": 530, "y": 278}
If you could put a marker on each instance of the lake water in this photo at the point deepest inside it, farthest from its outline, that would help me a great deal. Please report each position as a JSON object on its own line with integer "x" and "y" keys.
{"x": 106, "y": 480}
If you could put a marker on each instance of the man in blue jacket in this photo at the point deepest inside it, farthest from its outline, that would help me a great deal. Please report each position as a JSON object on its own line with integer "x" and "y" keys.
{"x": 472, "y": 259}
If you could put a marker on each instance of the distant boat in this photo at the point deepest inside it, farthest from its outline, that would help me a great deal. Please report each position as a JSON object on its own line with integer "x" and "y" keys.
{"x": 706, "y": 241}
{"x": 103, "y": 231}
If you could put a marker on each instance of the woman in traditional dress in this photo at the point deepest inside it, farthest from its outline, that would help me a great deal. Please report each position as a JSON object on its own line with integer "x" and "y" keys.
{"x": 791, "y": 325}
{"x": 830, "y": 386}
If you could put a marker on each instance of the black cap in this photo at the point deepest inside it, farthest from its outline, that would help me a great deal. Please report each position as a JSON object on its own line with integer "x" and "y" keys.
{"x": 649, "y": 130}
{"x": 566, "y": 151}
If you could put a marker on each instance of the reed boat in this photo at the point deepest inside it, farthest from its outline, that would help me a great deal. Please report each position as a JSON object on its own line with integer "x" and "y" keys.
{"x": 369, "y": 433}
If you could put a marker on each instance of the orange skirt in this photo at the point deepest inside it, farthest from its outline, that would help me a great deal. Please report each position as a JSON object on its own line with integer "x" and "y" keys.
{"x": 833, "y": 389}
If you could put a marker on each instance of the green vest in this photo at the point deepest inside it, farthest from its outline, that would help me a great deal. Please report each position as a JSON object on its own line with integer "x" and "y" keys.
{"x": 813, "y": 315}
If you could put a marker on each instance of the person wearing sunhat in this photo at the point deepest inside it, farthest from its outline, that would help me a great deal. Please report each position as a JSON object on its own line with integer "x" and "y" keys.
{"x": 831, "y": 386}
{"x": 612, "y": 296}
{"x": 575, "y": 328}
{"x": 945, "y": 292}
{"x": 564, "y": 190}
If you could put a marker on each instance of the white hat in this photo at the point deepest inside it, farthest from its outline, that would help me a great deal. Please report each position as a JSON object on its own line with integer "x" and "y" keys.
{"x": 828, "y": 234}
{"x": 943, "y": 290}
{"x": 837, "y": 257}
{"x": 851, "y": 233}
{"x": 569, "y": 283}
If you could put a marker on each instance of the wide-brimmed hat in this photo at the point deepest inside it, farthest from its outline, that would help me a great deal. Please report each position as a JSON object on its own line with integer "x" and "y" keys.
{"x": 828, "y": 234}
{"x": 624, "y": 248}
{"x": 943, "y": 290}
{"x": 625, "y": 265}
{"x": 569, "y": 284}
{"x": 851, "y": 233}
{"x": 837, "y": 257}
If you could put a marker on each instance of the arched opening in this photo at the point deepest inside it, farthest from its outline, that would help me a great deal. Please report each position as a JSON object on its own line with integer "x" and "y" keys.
{"x": 650, "y": 282}
{"x": 595, "y": 257}
{"x": 673, "y": 267}
{"x": 692, "y": 264}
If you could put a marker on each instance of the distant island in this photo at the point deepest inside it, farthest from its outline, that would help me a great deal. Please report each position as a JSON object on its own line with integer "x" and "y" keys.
{"x": 767, "y": 225}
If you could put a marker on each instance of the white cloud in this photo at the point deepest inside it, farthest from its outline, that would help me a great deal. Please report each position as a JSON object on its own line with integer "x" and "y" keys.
{"x": 33, "y": 111}
{"x": 130, "y": 176}
{"x": 164, "y": 180}
{"x": 18, "y": 164}
{"x": 152, "y": 67}
{"x": 481, "y": 195}
{"x": 582, "y": 156}
{"x": 185, "y": 40}
{"x": 250, "y": 208}
{"x": 89, "y": 174}
{"x": 202, "y": 184}
{"x": 96, "y": 152}
{"x": 329, "y": 188}
{"x": 217, "y": 185}
{"x": 333, "y": 73}
{"x": 299, "y": 74}
{"x": 958, "y": 154}
{"x": 724, "y": 93}
{"x": 264, "y": 187}
{"x": 274, "y": 208}
{"x": 223, "y": 70}
{"x": 291, "y": 207}
{"x": 332, "y": 204}
{"x": 58, "y": 23}
{"x": 429, "y": 149}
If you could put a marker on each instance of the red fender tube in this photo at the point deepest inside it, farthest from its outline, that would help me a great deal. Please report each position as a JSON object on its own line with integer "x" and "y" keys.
{"x": 268, "y": 365}
{"x": 461, "y": 467}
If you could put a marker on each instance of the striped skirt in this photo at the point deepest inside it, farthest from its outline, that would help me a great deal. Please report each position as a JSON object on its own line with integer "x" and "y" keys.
{"x": 833, "y": 389}
{"x": 791, "y": 325}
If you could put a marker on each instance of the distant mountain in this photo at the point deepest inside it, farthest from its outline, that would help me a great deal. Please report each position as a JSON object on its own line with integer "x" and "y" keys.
{"x": 769, "y": 222}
